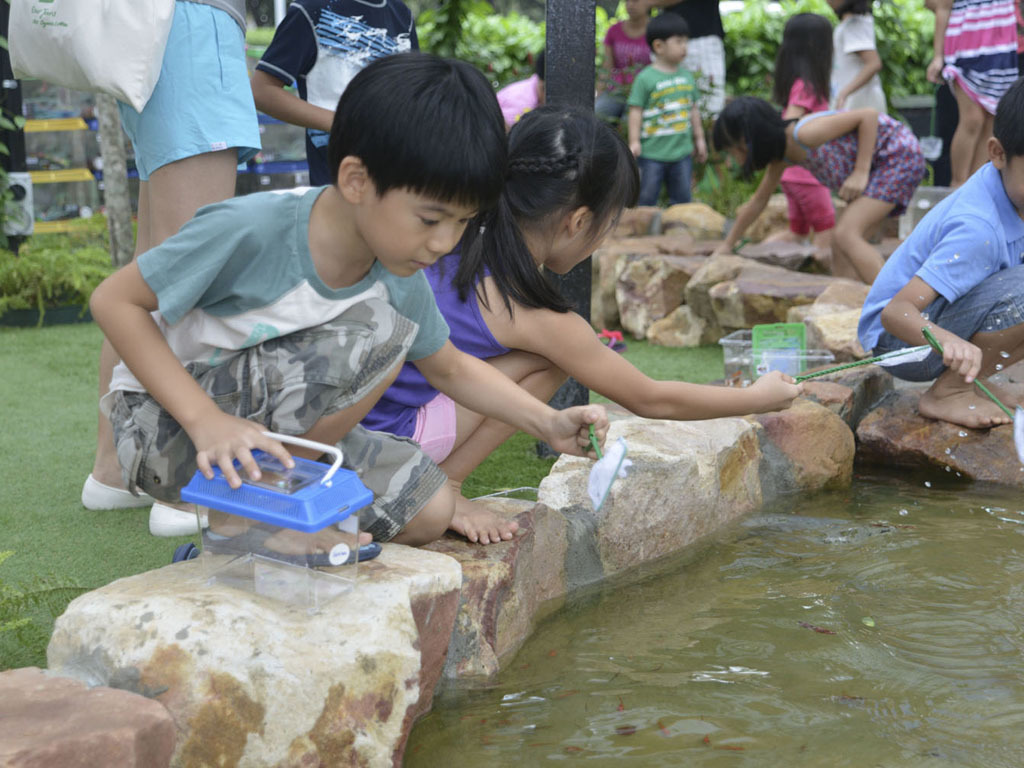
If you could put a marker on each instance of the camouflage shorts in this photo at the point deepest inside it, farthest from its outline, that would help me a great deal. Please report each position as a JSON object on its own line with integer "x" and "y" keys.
{"x": 287, "y": 384}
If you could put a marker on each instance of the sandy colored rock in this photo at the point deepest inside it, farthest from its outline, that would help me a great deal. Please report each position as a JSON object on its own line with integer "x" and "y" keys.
{"x": 844, "y": 293}
{"x": 650, "y": 287}
{"x": 642, "y": 220}
{"x": 774, "y": 218}
{"x": 793, "y": 256}
{"x": 251, "y": 681}
{"x": 701, "y": 220}
{"x": 681, "y": 328}
{"x": 836, "y": 332}
{"x": 49, "y": 721}
{"x": 895, "y": 435}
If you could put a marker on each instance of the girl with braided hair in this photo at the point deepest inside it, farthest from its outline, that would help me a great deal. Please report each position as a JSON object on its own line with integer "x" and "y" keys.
{"x": 569, "y": 177}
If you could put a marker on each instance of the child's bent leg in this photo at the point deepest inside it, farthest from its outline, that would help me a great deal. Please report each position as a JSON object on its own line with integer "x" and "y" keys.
{"x": 852, "y": 255}
{"x": 477, "y": 437}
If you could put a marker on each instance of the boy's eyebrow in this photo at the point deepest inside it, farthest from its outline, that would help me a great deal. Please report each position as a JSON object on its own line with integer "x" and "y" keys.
{"x": 442, "y": 208}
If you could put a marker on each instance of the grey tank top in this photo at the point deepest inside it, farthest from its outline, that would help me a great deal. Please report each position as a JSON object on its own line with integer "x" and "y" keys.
{"x": 234, "y": 7}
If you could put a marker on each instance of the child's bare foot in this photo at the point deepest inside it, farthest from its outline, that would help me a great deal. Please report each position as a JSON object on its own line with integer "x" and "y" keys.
{"x": 479, "y": 524}
{"x": 961, "y": 404}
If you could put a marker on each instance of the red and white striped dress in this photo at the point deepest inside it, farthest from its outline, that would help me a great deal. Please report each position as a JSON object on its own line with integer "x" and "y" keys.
{"x": 980, "y": 49}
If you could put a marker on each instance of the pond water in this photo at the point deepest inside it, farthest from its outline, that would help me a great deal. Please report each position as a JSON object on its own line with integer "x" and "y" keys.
{"x": 877, "y": 626}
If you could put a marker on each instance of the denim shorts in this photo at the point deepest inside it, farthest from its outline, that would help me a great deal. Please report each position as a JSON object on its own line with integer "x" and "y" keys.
{"x": 993, "y": 305}
{"x": 286, "y": 385}
{"x": 202, "y": 101}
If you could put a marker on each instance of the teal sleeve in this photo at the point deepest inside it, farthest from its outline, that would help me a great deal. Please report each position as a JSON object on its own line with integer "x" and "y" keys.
{"x": 183, "y": 270}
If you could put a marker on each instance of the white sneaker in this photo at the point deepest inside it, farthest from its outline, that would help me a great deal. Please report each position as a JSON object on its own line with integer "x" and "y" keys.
{"x": 97, "y": 495}
{"x": 165, "y": 520}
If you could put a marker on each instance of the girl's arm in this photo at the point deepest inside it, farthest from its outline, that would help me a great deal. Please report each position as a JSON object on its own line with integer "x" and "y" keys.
{"x": 272, "y": 99}
{"x": 902, "y": 318}
{"x": 121, "y": 305}
{"x": 636, "y": 116}
{"x": 822, "y": 129}
{"x": 871, "y": 64}
{"x": 941, "y": 8}
{"x": 700, "y": 145}
{"x": 480, "y": 387}
{"x": 747, "y": 213}
{"x": 568, "y": 342}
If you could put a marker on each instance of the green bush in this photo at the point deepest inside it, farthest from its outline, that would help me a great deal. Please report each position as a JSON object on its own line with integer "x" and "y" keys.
{"x": 46, "y": 277}
{"x": 903, "y": 34}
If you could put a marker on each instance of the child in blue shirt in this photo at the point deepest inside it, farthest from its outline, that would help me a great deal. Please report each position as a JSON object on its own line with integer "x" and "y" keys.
{"x": 320, "y": 45}
{"x": 961, "y": 274}
{"x": 292, "y": 312}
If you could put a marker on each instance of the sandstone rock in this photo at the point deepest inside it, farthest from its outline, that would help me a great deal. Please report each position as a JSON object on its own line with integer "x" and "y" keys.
{"x": 649, "y": 287}
{"x": 57, "y": 722}
{"x": 773, "y": 218}
{"x": 506, "y": 587}
{"x": 895, "y": 435}
{"x": 716, "y": 269}
{"x": 836, "y": 332}
{"x": 851, "y": 394}
{"x": 702, "y": 221}
{"x": 687, "y": 480}
{"x": 681, "y": 328}
{"x": 251, "y": 681}
{"x": 642, "y": 220}
{"x": 806, "y": 447}
{"x": 849, "y": 294}
{"x": 793, "y": 256}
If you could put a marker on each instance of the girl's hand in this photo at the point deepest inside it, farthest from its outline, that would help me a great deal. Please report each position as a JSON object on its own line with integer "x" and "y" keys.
{"x": 841, "y": 100}
{"x": 775, "y": 391}
{"x": 223, "y": 438}
{"x": 854, "y": 185}
{"x": 700, "y": 150}
{"x": 634, "y": 147}
{"x": 570, "y": 431}
{"x": 934, "y": 72}
{"x": 961, "y": 356}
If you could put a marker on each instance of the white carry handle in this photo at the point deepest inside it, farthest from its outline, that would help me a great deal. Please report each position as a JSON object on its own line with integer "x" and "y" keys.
{"x": 334, "y": 450}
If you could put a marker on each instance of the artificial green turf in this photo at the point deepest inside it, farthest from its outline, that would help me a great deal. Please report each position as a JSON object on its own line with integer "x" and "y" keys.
{"x": 48, "y": 412}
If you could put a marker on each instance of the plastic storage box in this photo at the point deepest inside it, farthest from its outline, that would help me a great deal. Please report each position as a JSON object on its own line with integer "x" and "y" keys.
{"x": 292, "y": 536}
{"x": 741, "y": 368}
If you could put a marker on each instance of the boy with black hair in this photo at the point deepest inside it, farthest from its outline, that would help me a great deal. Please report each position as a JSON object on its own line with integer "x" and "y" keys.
{"x": 320, "y": 45}
{"x": 961, "y": 274}
{"x": 665, "y": 129}
{"x": 293, "y": 312}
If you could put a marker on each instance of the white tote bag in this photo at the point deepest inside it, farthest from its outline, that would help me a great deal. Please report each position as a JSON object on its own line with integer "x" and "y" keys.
{"x": 111, "y": 46}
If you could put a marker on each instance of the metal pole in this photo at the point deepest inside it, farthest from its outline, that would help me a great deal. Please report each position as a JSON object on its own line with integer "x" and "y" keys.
{"x": 569, "y": 79}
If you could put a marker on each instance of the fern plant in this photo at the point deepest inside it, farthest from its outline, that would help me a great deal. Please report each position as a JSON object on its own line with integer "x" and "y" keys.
{"x": 48, "y": 277}
{"x": 23, "y": 639}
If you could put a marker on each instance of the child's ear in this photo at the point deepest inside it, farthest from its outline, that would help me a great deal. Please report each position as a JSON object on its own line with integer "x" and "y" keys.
{"x": 996, "y": 153}
{"x": 579, "y": 221}
{"x": 354, "y": 182}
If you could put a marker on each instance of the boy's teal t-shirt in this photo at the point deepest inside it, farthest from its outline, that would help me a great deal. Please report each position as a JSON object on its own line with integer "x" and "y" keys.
{"x": 240, "y": 273}
{"x": 972, "y": 234}
{"x": 667, "y": 99}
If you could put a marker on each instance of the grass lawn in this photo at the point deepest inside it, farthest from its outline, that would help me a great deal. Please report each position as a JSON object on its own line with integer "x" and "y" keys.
{"x": 48, "y": 414}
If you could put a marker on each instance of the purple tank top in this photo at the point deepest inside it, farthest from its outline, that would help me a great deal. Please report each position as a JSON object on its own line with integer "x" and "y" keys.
{"x": 396, "y": 411}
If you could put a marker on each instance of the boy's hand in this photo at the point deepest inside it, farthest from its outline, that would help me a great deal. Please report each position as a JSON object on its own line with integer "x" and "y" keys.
{"x": 570, "y": 430}
{"x": 700, "y": 150}
{"x": 222, "y": 438}
{"x": 635, "y": 148}
{"x": 854, "y": 185}
{"x": 775, "y": 391}
{"x": 961, "y": 356}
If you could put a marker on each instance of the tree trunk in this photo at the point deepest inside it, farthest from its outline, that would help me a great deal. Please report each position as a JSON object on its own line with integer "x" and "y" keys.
{"x": 115, "y": 181}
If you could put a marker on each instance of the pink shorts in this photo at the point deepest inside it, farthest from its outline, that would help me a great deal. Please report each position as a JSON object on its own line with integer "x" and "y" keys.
{"x": 435, "y": 427}
{"x": 810, "y": 207}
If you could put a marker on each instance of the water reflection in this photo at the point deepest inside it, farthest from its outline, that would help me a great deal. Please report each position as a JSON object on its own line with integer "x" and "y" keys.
{"x": 880, "y": 625}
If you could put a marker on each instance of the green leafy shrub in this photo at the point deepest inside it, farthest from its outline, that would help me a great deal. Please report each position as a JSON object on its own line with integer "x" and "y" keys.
{"x": 903, "y": 34}
{"x": 46, "y": 277}
{"x": 23, "y": 639}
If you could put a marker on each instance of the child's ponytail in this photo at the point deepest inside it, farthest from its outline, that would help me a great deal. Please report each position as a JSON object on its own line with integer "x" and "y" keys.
{"x": 560, "y": 159}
